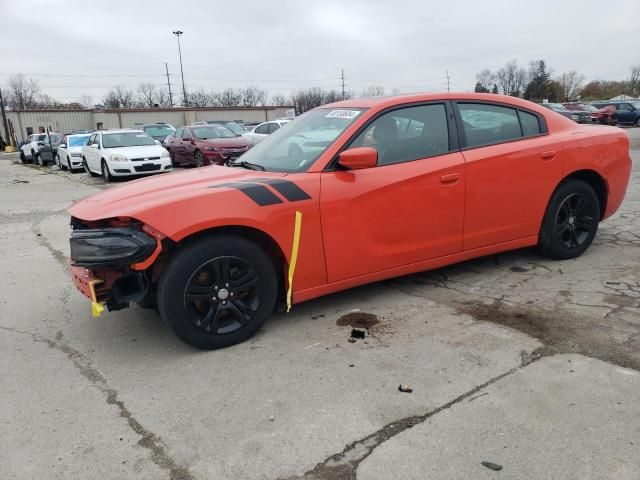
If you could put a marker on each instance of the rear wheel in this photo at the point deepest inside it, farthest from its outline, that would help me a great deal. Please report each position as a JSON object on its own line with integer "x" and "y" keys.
{"x": 217, "y": 291}
{"x": 198, "y": 159}
{"x": 570, "y": 222}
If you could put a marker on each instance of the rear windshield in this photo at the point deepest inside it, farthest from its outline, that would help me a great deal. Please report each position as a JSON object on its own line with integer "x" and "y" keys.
{"x": 126, "y": 139}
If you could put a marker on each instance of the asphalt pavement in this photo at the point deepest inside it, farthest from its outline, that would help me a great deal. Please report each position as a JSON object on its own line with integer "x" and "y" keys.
{"x": 526, "y": 364}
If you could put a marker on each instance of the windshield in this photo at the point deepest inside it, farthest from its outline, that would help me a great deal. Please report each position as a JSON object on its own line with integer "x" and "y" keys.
{"x": 212, "y": 131}
{"x": 77, "y": 140}
{"x": 235, "y": 128}
{"x": 126, "y": 139}
{"x": 297, "y": 144}
{"x": 40, "y": 137}
{"x": 159, "y": 131}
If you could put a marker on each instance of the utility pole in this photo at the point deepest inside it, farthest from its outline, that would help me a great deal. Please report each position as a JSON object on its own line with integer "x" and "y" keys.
{"x": 448, "y": 83}
{"x": 185, "y": 100}
{"x": 166, "y": 67}
{"x": 342, "y": 77}
{"x": 4, "y": 121}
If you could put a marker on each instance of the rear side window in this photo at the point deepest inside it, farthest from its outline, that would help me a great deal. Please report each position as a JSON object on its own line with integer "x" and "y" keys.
{"x": 263, "y": 129}
{"x": 488, "y": 124}
{"x": 273, "y": 127}
{"x": 530, "y": 124}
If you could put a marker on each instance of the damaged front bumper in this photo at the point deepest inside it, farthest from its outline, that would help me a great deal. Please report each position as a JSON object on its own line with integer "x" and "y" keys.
{"x": 110, "y": 265}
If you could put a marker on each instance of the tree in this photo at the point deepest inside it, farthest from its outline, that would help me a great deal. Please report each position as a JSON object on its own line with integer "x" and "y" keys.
{"x": 570, "y": 83}
{"x": 280, "y": 100}
{"x": 252, "y": 96}
{"x": 511, "y": 78}
{"x": 119, "y": 97}
{"x": 485, "y": 79}
{"x": 480, "y": 88}
{"x": 634, "y": 81}
{"x": 373, "y": 91}
{"x": 162, "y": 98}
{"x": 494, "y": 90}
{"x": 200, "y": 98}
{"x": 229, "y": 98}
{"x": 147, "y": 95}
{"x": 86, "y": 101}
{"x": 23, "y": 92}
{"x": 538, "y": 82}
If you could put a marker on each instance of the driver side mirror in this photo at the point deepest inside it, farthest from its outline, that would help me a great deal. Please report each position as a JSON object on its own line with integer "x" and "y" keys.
{"x": 358, "y": 158}
{"x": 94, "y": 145}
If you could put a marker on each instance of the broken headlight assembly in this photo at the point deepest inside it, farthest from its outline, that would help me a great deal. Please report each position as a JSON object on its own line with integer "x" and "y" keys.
{"x": 110, "y": 247}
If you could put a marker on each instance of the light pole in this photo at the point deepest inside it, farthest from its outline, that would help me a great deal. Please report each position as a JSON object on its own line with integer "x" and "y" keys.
{"x": 185, "y": 101}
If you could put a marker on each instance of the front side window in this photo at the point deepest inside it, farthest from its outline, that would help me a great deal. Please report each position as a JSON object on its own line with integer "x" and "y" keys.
{"x": 273, "y": 127}
{"x": 186, "y": 134}
{"x": 624, "y": 107}
{"x": 407, "y": 134}
{"x": 126, "y": 139}
{"x": 295, "y": 146}
{"x": 178, "y": 133}
{"x": 485, "y": 124}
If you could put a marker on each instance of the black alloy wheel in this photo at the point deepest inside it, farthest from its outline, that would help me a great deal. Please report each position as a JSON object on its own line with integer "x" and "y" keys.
{"x": 217, "y": 290}
{"x": 222, "y": 295}
{"x": 571, "y": 220}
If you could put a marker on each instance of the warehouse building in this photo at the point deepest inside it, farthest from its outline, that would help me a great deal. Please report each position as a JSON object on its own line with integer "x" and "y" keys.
{"x": 23, "y": 123}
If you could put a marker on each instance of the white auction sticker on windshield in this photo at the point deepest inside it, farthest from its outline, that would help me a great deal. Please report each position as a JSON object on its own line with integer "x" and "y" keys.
{"x": 141, "y": 135}
{"x": 348, "y": 114}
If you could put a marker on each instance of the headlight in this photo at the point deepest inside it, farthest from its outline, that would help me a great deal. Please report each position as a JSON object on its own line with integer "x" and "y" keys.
{"x": 212, "y": 149}
{"x": 119, "y": 158}
{"x": 575, "y": 117}
{"x": 165, "y": 154}
{"x": 102, "y": 247}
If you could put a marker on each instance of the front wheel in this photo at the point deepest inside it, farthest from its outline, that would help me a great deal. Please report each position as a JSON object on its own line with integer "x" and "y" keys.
{"x": 198, "y": 159}
{"x": 570, "y": 222}
{"x": 85, "y": 165}
{"x": 23, "y": 159}
{"x": 59, "y": 163}
{"x": 106, "y": 174}
{"x": 217, "y": 291}
{"x": 638, "y": 121}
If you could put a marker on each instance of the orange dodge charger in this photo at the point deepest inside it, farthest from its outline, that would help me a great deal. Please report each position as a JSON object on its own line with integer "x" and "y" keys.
{"x": 346, "y": 194}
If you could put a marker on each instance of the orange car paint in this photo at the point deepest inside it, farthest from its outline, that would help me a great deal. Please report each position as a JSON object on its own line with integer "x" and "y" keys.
{"x": 366, "y": 225}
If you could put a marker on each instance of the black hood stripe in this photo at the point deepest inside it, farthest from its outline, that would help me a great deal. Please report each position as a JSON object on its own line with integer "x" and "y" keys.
{"x": 258, "y": 193}
{"x": 287, "y": 189}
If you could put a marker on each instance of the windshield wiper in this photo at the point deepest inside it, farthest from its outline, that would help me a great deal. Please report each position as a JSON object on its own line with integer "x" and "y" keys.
{"x": 247, "y": 165}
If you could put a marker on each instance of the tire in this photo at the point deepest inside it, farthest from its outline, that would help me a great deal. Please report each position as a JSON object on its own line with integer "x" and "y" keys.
{"x": 59, "y": 163}
{"x": 638, "y": 122}
{"x": 173, "y": 160}
{"x": 23, "y": 159}
{"x": 34, "y": 158}
{"x": 86, "y": 168}
{"x": 209, "y": 268}
{"x": 69, "y": 164}
{"x": 198, "y": 159}
{"x": 106, "y": 174}
{"x": 570, "y": 222}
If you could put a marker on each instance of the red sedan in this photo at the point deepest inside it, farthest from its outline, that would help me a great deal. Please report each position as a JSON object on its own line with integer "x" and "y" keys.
{"x": 205, "y": 145}
{"x": 346, "y": 194}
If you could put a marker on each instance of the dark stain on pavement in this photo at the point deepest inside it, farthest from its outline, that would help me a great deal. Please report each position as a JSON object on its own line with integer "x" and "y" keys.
{"x": 358, "y": 320}
{"x": 561, "y": 332}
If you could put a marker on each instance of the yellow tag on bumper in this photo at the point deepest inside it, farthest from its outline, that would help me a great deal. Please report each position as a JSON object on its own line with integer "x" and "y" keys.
{"x": 96, "y": 309}
{"x": 294, "y": 256}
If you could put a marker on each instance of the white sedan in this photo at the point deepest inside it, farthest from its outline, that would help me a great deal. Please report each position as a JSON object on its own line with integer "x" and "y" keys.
{"x": 69, "y": 155}
{"x": 262, "y": 131}
{"x": 119, "y": 153}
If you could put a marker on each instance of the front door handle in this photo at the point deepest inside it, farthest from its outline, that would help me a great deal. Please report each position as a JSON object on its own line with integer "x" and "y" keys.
{"x": 450, "y": 178}
{"x": 548, "y": 155}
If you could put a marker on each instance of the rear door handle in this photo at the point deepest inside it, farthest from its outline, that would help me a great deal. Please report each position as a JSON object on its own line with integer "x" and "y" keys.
{"x": 548, "y": 155}
{"x": 450, "y": 178}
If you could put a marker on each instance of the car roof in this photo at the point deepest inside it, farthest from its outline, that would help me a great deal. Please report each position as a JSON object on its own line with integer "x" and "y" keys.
{"x": 123, "y": 130}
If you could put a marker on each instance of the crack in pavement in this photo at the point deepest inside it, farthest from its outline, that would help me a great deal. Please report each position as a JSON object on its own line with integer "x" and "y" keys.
{"x": 158, "y": 450}
{"x": 344, "y": 465}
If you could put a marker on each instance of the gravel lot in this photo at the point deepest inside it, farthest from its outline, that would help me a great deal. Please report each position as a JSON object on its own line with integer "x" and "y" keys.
{"x": 516, "y": 360}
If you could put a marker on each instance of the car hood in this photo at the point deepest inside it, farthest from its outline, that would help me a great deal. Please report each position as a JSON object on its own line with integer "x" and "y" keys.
{"x": 137, "y": 152}
{"x": 75, "y": 149}
{"x": 226, "y": 142}
{"x": 175, "y": 192}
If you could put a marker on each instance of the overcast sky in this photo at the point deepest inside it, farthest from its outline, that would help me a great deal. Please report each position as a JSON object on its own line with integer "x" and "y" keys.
{"x": 85, "y": 47}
